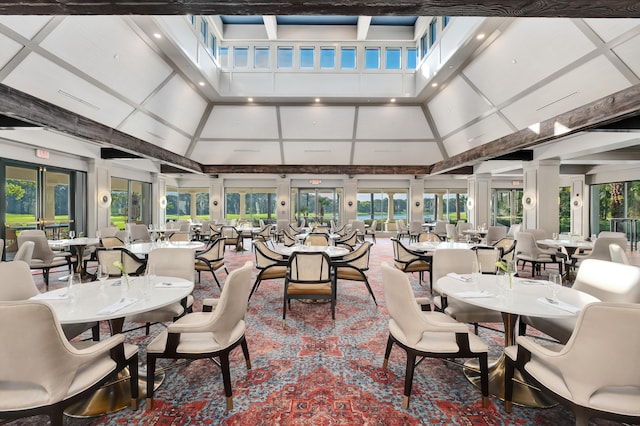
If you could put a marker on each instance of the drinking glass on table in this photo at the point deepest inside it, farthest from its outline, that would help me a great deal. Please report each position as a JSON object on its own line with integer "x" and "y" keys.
{"x": 554, "y": 283}
{"x": 72, "y": 234}
{"x": 554, "y": 236}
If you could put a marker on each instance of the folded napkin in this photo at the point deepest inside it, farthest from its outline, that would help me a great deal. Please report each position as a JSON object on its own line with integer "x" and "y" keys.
{"x": 115, "y": 307}
{"x": 473, "y": 294}
{"x": 463, "y": 278}
{"x": 176, "y": 284}
{"x": 532, "y": 282}
{"x": 560, "y": 305}
{"x": 50, "y": 296}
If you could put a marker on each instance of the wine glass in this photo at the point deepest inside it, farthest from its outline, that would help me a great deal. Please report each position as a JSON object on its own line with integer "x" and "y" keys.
{"x": 72, "y": 234}
{"x": 102, "y": 275}
{"x": 554, "y": 236}
{"x": 555, "y": 282}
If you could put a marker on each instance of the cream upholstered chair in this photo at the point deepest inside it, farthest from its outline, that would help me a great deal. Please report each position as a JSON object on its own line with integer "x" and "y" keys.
{"x": 43, "y": 373}
{"x": 528, "y": 251}
{"x": 179, "y": 236}
{"x": 354, "y": 266}
{"x": 309, "y": 276}
{"x": 358, "y": 226}
{"x": 607, "y": 281}
{"x": 348, "y": 241}
{"x": 513, "y": 229}
{"x": 452, "y": 232}
{"x": 410, "y": 261}
{"x": 317, "y": 239}
{"x": 415, "y": 228}
{"x": 488, "y": 256}
{"x": 139, "y": 233}
{"x": 264, "y": 234}
{"x": 507, "y": 247}
{"x": 43, "y": 257}
{"x": 170, "y": 262}
{"x": 495, "y": 233}
{"x": 426, "y": 334}
{"x": 17, "y": 284}
{"x": 207, "y": 334}
{"x": 25, "y": 252}
{"x": 231, "y": 236}
{"x": 600, "y": 250}
{"x": 596, "y": 372}
{"x": 618, "y": 254}
{"x": 111, "y": 241}
{"x": 109, "y": 231}
{"x": 428, "y": 237}
{"x": 271, "y": 265}
{"x": 211, "y": 259}
{"x": 371, "y": 230}
{"x": 460, "y": 261}
{"x": 401, "y": 229}
{"x": 441, "y": 229}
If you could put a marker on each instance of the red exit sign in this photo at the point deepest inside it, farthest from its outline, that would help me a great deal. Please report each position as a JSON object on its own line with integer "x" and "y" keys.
{"x": 42, "y": 153}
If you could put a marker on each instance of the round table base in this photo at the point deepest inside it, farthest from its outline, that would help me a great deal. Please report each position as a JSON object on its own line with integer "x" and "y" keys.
{"x": 523, "y": 394}
{"x": 112, "y": 397}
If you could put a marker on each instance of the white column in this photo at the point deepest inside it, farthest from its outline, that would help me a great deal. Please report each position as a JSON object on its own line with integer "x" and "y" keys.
{"x": 541, "y": 188}
{"x": 416, "y": 200}
{"x": 216, "y": 200}
{"x": 479, "y": 193}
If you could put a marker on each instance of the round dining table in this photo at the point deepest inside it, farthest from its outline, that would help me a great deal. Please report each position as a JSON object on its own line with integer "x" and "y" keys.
{"x": 143, "y": 249}
{"x": 79, "y": 245}
{"x": 524, "y": 297}
{"x": 332, "y": 251}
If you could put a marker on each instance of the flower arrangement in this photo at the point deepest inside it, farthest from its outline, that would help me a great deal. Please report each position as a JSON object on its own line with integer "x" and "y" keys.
{"x": 120, "y": 266}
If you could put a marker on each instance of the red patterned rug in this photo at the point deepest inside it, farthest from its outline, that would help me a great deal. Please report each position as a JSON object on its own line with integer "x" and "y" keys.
{"x": 312, "y": 374}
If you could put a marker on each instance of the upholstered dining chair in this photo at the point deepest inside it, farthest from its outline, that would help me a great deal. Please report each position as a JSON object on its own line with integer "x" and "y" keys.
{"x": 354, "y": 267}
{"x": 528, "y": 251}
{"x": 348, "y": 241}
{"x": 231, "y": 236}
{"x": 371, "y": 230}
{"x": 411, "y": 261}
{"x": 426, "y": 334}
{"x": 56, "y": 373}
{"x": 596, "y": 373}
{"x": 600, "y": 250}
{"x": 211, "y": 259}
{"x": 170, "y": 262}
{"x": 264, "y": 234}
{"x": 111, "y": 241}
{"x": 402, "y": 229}
{"x": 207, "y": 334}
{"x": 495, "y": 233}
{"x": 309, "y": 276}
{"x": 618, "y": 254}
{"x": 139, "y": 233}
{"x": 43, "y": 257}
{"x": 441, "y": 229}
{"x": 459, "y": 261}
{"x": 25, "y": 252}
{"x": 179, "y": 236}
{"x": 271, "y": 265}
{"x": 317, "y": 239}
{"x": 428, "y": 237}
{"x": 288, "y": 237}
{"x": 507, "y": 247}
{"x": 607, "y": 281}
{"x": 487, "y": 256}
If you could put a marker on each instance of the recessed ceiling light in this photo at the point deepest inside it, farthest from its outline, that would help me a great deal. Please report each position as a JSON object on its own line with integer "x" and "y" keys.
{"x": 201, "y": 83}
{"x": 480, "y": 36}
{"x": 157, "y": 35}
{"x": 434, "y": 84}
{"x": 393, "y": 99}
{"x": 250, "y": 99}
{"x": 317, "y": 99}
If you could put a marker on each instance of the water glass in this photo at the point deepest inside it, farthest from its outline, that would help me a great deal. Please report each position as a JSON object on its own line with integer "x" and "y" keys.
{"x": 555, "y": 283}
{"x": 72, "y": 234}
{"x": 554, "y": 236}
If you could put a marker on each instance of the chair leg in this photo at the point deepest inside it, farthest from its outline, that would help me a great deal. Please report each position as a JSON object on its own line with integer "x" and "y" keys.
{"x": 366, "y": 282}
{"x": 133, "y": 381}
{"x": 45, "y": 275}
{"x": 216, "y": 278}
{"x": 245, "y": 351}
{"x": 226, "y": 378}
{"x": 408, "y": 379}
{"x": 387, "y": 352}
{"x": 508, "y": 383}
{"x": 484, "y": 378}
{"x": 151, "y": 373}
{"x": 255, "y": 286}
{"x": 95, "y": 332}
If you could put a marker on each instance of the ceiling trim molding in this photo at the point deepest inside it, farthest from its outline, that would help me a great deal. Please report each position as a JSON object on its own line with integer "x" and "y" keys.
{"x": 520, "y": 8}
{"x": 23, "y": 106}
{"x": 615, "y": 107}
{"x": 315, "y": 169}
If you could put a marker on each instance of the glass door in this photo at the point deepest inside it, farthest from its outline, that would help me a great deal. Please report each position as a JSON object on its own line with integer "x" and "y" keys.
{"x": 316, "y": 204}
{"x": 506, "y": 207}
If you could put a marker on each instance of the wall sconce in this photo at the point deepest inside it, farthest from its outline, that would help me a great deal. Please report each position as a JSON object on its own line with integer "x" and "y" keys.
{"x": 163, "y": 202}
{"x": 104, "y": 200}
{"x": 576, "y": 202}
{"x": 528, "y": 201}
{"x": 470, "y": 203}
{"x": 417, "y": 203}
{"x": 215, "y": 202}
{"x": 350, "y": 203}
{"x": 282, "y": 203}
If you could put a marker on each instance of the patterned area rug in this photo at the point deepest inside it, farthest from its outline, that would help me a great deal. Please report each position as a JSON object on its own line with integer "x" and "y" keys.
{"x": 312, "y": 374}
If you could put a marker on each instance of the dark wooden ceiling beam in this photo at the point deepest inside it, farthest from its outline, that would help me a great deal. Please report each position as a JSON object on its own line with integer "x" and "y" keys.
{"x": 508, "y": 8}
{"x": 615, "y": 107}
{"x": 316, "y": 169}
{"x": 23, "y": 106}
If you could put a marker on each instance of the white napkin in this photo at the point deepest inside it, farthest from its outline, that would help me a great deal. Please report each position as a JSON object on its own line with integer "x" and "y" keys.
{"x": 473, "y": 294}
{"x": 532, "y": 282}
{"x": 50, "y": 296}
{"x": 560, "y": 305}
{"x": 177, "y": 284}
{"x": 115, "y": 307}
{"x": 463, "y": 278}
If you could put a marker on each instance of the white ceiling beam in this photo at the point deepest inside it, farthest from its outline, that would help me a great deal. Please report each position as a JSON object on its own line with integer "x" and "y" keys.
{"x": 271, "y": 25}
{"x": 364, "y": 22}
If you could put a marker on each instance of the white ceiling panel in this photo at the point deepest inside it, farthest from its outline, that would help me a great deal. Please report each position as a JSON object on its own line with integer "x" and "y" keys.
{"x": 146, "y": 128}
{"x": 528, "y": 51}
{"x": 51, "y": 140}
{"x": 392, "y": 122}
{"x": 25, "y": 25}
{"x": 629, "y": 52}
{"x": 242, "y": 122}
{"x": 401, "y": 153}
{"x": 108, "y": 50}
{"x": 317, "y": 122}
{"x": 317, "y": 152}
{"x": 456, "y": 105}
{"x": 8, "y": 49}
{"x": 567, "y": 92}
{"x": 178, "y": 104}
{"x": 487, "y": 130}
{"x": 45, "y": 80}
{"x": 237, "y": 152}
{"x": 608, "y": 29}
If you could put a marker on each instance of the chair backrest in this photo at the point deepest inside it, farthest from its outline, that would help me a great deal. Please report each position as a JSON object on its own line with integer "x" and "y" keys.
{"x": 601, "y": 247}
{"x": 358, "y": 225}
{"x": 317, "y": 239}
{"x": 179, "y": 236}
{"x": 495, "y": 233}
{"x": 513, "y": 229}
{"x": 25, "y": 252}
{"x": 609, "y": 281}
{"x": 123, "y": 235}
{"x": 428, "y": 236}
{"x": 463, "y": 226}
{"x": 507, "y": 246}
{"x": 612, "y": 234}
{"x": 41, "y": 249}
{"x": 604, "y": 343}
{"x": 17, "y": 281}
{"x": 107, "y": 258}
{"x": 401, "y": 253}
{"x": 538, "y": 233}
{"x": 526, "y": 244}
{"x": 374, "y": 225}
{"x": 232, "y": 304}
{"x": 359, "y": 258}
{"x": 265, "y": 257}
{"x": 487, "y": 258}
{"x": 452, "y": 231}
{"x": 109, "y": 231}
{"x": 139, "y": 233}
{"x": 618, "y": 254}
{"x": 441, "y": 227}
{"x": 309, "y": 267}
{"x": 31, "y": 327}
{"x": 172, "y": 262}
{"x": 415, "y": 227}
{"x": 215, "y": 251}
{"x": 113, "y": 241}
{"x": 446, "y": 260}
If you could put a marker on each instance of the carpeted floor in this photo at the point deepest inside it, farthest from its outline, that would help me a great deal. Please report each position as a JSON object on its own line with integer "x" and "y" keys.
{"x": 312, "y": 374}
